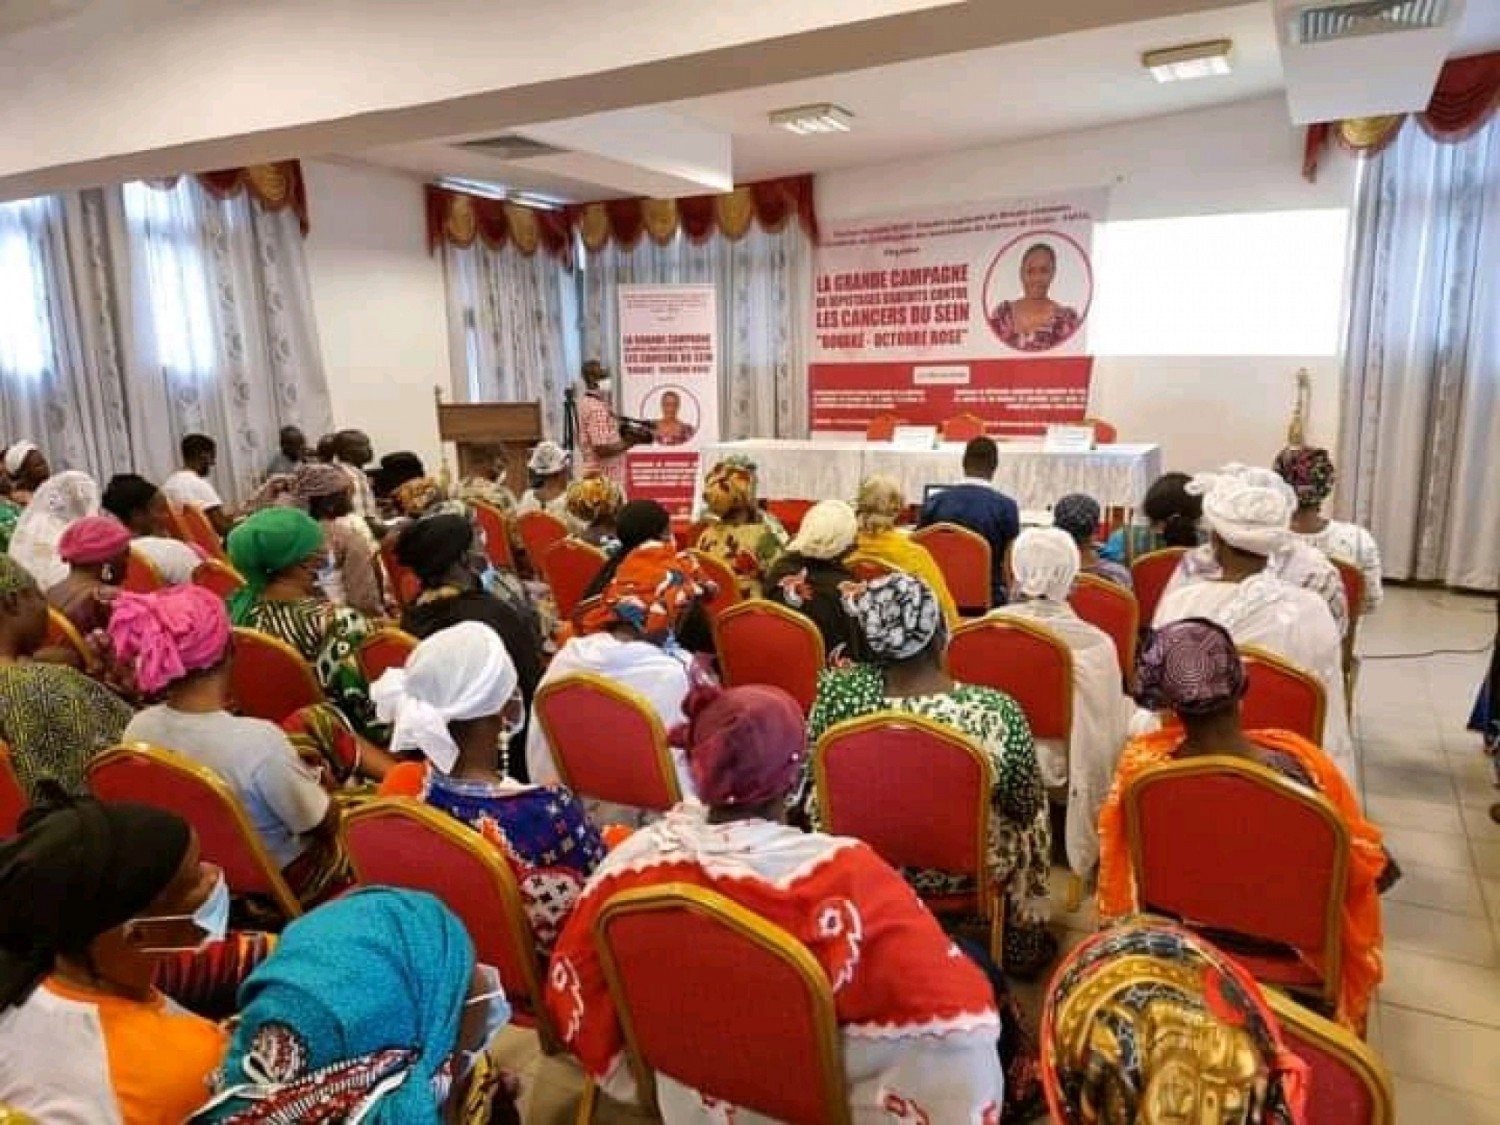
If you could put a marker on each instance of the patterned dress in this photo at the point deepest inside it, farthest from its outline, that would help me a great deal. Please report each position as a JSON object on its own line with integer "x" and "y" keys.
{"x": 1059, "y": 326}
{"x": 54, "y": 719}
{"x": 747, "y": 549}
{"x": 327, "y": 637}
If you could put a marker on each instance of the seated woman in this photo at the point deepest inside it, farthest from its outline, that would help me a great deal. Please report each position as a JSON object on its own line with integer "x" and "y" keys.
{"x": 487, "y": 486}
{"x": 58, "y": 503}
{"x": 1079, "y": 516}
{"x": 1193, "y": 668}
{"x": 905, "y": 637}
{"x": 1309, "y": 472}
{"x": 745, "y": 747}
{"x": 1044, "y": 562}
{"x": 178, "y": 641}
{"x": 738, "y": 533}
{"x": 878, "y": 507}
{"x": 96, "y": 549}
{"x": 53, "y": 717}
{"x": 811, "y": 577}
{"x": 637, "y": 523}
{"x": 372, "y": 1008}
{"x": 593, "y": 502}
{"x": 351, "y": 575}
{"x": 93, "y": 897}
{"x": 458, "y": 703}
{"x": 1147, "y": 1022}
{"x": 1172, "y": 514}
{"x": 143, "y": 508}
{"x": 550, "y": 466}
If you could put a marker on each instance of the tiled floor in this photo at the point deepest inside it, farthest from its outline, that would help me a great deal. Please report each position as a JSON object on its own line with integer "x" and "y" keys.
{"x": 1437, "y": 1022}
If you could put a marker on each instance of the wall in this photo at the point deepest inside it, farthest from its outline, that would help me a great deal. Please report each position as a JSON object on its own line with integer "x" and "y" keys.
{"x": 380, "y": 305}
{"x": 1245, "y": 157}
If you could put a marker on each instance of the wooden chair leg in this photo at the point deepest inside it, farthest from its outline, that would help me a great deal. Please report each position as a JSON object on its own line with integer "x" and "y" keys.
{"x": 997, "y": 930}
{"x": 586, "y": 1102}
{"x": 1075, "y": 892}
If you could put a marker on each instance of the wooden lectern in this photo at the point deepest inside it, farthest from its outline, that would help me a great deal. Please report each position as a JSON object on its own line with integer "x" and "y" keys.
{"x": 484, "y": 432}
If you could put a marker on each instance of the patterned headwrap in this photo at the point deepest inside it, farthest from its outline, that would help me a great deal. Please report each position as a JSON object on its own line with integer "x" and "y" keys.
{"x": 1191, "y": 667}
{"x": 744, "y": 746}
{"x": 730, "y": 487}
{"x": 14, "y": 578}
{"x": 1309, "y": 470}
{"x": 356, "y": 1012}
{"x": 828, "y": 531}
{"x": 416, "y": 496}
{"x": 1144, "y": 1011}
{"x": 93, "y": 540}
{"x": 1078, "y": 515}
{"x": 314, "y": 479}
{"x": 548, "y": 458}
{"x": 1250, "y": 509}
{"x": 653, "y": 589}
{"x": 594, "y": 498}
{"x": 898, "y": 614}
{"x": 1045, "y": 563}
{"x": 879, "y": 503}
{"x": 270, "y": 541}
{"x": 167, "y": 634}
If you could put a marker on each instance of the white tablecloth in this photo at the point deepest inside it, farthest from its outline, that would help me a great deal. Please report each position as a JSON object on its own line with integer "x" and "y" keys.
{"x": 1114, "y": 475}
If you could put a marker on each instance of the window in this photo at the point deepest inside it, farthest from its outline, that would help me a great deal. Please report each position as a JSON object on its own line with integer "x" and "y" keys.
{"x": 167, "y": 227}
{"x": 26, "y": 339}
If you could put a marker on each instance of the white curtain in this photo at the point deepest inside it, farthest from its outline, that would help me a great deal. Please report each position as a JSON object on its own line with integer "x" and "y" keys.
{"x": 1421, "y": 389}
{"x": 512, "y": 327}
{"x": 763, "y": 283}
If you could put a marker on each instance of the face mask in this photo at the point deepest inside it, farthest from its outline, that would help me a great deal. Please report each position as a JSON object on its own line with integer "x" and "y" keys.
{"x": 604, "y": 386}
{"x": 212, "y": 917}
{"x": 493, "y": 1005}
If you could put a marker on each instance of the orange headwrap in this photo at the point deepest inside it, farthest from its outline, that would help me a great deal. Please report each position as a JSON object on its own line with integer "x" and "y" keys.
{"x": 652, "y": 591}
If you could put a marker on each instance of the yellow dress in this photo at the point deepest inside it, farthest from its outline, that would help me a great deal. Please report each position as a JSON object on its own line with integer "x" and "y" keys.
{"x": 896, "y": 550}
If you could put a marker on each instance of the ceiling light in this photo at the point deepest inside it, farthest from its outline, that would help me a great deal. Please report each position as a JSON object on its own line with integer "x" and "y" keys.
{"x": 805, "y": 120}
{"x": 488, "y": 190}
{"x": 1192, "y": 60}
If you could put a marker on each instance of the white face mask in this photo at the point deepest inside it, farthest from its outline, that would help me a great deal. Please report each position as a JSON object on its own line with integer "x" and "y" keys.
{"x": 604, "y": 386}
{"x": 211, "y": 917}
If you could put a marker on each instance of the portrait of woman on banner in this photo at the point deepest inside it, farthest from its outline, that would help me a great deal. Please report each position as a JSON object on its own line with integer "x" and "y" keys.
{"x": 670, "y": 427}
{"x": 1034, "y": 321}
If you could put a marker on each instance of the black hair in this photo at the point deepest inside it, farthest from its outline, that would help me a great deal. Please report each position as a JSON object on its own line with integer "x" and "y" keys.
{"x": 1169, "y": 503}
{"x": 330, "y": 507}
{"x": 127, "y": 495}
{"x": 981, "y": 456}
{"x": 195, "y": 446}
{"x": 635, "y": 523}
{"x": 1040, "y": 248}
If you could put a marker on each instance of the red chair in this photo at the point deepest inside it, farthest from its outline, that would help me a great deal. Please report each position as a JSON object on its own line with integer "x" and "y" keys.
{"x": 677, "y": 958}
{"x": 883, "y": 427}
{"x": 13, "y": 799}
{"x": 726, "y": 585}
{"x": 1104, "y": 432}
{"x": 269, "y": 679}
{"x": 1024, "y": 660}
{"x": 867, "y": 570}
{"x": 685, "y": 531}
{"x": 383, "y": 650}
{"x": 1150, "y": 574}
{"x": 404, "y": 584}
{"x": 1347, "y": 1083}
{"x": 607, "y": 742}
{"x": 217, "y": 576}
{"x": 63, "y": 634}
{"x": 963, "y": 428}
{"x": 760, "y": 642}
{"x": 1354, "y": 594}
{"x": 538, "y": 531}
{"x": 496, "y": 529}
{"x": 1281, "y": 696}
{"x": 1111, "y": 607}
{"x": 141, "y": 575}
{"x": 400, "y": 842}
{"x": 1190, "y": 861}
{"x": 568, "y": 567}
{"x": 581, "y": 611}
{"x": 964, "y": 558}
{"x": 149, "y": 775}
{"x": 789, "y": 513}
{"x": 200, "y": 532}
{"x": 942, "y": 819}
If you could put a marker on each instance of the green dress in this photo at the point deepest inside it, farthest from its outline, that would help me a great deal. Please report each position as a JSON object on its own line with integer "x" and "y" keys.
{"x": 55, "y": 719}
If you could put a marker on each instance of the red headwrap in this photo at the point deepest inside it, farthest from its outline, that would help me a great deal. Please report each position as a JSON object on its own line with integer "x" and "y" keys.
{"x": 94, "y": 540}
{"x": 744, "y": 745}
{"x": 652, "y": 590}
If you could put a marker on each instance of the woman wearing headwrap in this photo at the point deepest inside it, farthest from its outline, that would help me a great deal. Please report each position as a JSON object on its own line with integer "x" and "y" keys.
{"x": 637, "y": 523}
{"x": 93, "y": 898}
{"x": 1309, "y": 472}
{"x": 178, "y": 641}
{"x": 1079, "y": 516}
{"x": 1044, "y": 564}
{"x": 812, "y": 575}
{"x": 1171, "y": 515}
{"x": 487, "y": 486}
{"x": 1192, "y": 668}
{"x": 890, "y": 966}
{"x": 739, "y": 534}
{"x": 57, "y": 504}
{"x": 96, "y": 549}
{"x": 143, "y": 508}
{"x": 879, "y": 505}
{"x": 594, "y": 502}
{"x": 1257, "y": 602}
{"x": 906, "y": 638}
{"x": 550, "y": 465}
{"x": 458, "y": 703}
{"x": 1148, "y": 1022}
{"x": 371, "y": 1009}
{"x": 351, "y": 575}
{"x": 27, "y": 467}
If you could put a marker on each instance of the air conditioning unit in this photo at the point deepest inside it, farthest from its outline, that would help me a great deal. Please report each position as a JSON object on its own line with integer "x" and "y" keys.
{"x": 1362, "y": 58}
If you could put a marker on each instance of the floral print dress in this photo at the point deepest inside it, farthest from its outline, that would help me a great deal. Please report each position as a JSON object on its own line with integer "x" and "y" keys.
{"x": 747, "y": 549}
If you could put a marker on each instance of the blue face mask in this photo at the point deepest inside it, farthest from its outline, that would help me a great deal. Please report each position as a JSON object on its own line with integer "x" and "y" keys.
{"x": 211, "y": 917}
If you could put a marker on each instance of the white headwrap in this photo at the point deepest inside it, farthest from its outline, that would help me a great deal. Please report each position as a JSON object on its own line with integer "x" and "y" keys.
{"x": 16, "y": 456}
{"x": 462, "y": 672}
{"x": 828, "y": 530}
{"x": 1045, "y": 563}
{"x": 61, "y": 500}
{"x": 1250, "y": 509}
{"x": 548, "y": 458}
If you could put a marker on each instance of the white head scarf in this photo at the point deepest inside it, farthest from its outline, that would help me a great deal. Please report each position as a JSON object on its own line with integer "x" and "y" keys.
{"x": 828, "y": 530}
{"x": 1045, "y": 563}
{"x": 16, "y": 456}
{"x": 1250, "y": 509}
{"x": 548, "y": 458}
{"x": 462, "y": 672}
{"x": 61, "y": 500}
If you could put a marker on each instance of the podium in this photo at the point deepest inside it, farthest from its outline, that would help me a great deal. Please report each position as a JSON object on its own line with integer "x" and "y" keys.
{"x": 486, "y": 432}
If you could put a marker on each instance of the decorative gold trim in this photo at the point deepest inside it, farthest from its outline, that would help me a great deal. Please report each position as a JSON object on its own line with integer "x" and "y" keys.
{"x": 522, "y": 224}
{"x": 62, "y": 631}
{"x": 714, "y": 569}
{"x": 724, "y": 625}
{"x": 1284, "y": 668}
{"x": 460, "y": 224}
{"x": 734, "y": 211}
{"x": 556, "y": 530}
{"x": 972, "y": 541}
{"x": 1369, "y": 132}
{"x": 1104, "y": 588}
{"x": 593, "y": 226}
{"x": 270, "y": 183}
{"x": 1300, "y": 1023}
{"x": 200, "y": 532}
{"x": 659, "y": 218}
{"x": 624, "y": 696}
{"x": 571, "y": 545}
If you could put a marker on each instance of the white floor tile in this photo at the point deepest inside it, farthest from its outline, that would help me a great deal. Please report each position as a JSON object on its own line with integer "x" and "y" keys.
{"x": 1430, "y": 849}
{"x": 1441, "y": 987}
{"x": 1458, "y": 892}
{"x": 1422, "y": 1103}
{"x": 1444, "y": 1052}
{"x": 1438, "y": 933}
{"x": 1407, "y": 812}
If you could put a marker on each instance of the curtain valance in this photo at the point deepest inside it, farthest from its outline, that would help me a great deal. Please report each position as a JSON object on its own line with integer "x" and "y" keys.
{"x": 768, "y": 203}
{"x": 274, "y": 186}
{"x": 455, "y": 218}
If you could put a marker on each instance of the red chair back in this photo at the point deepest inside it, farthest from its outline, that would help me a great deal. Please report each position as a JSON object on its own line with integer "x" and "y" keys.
{"x": 217, "y": 576}
{"x": 13, "y": 799}
{"x": 686, "y": 966}
{"x": 964, "y": 558}
{"x": 1281, "y": 696}
{"x": 1111, "y": 607}
{"x": 200, "y": 533}
{"x": 963, "y": 427}
{"x": 789, "y": 513}
{"x": 404, "y": 584}
{"x": 630, "y": 766}
{"x": 867, "y": 570}
{"x": 1347, "y": 1083}
{"x": 492, "y": 523}
{"x": 1022, "y": 659}
{"x": 538, "y": 531}
{"x": 1150, "y": 574}
{"x": 269, "y": 679}
{"x": 1354, "y": 588}
{"x": 400, "y": 842}
{"x": 383, "y": 650}
{"x": 1191, "y": 859}
{"x": 62, "y": 633}
{"x": 727, "y": 587}
{"x": 882, "y": 427}
{"x": 1104, "y": 432}
{"x": 141, "y": 575}
{"x": 760, "y": 642}
{"x": 569, "y": 566}
{"x": 149, "y": 775}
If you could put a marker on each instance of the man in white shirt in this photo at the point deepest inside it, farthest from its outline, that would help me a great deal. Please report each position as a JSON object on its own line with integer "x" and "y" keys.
{"x": 190, "y": 487}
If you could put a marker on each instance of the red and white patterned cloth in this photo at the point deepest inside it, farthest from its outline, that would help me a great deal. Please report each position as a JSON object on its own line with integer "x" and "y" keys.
{"x": 599, "y": 426}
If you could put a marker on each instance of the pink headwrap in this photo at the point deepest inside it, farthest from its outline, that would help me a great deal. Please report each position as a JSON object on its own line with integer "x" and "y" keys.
{"x": 168, "y": 634}
{"x": 744, "y": 745}
{"x": 93, "y": 540}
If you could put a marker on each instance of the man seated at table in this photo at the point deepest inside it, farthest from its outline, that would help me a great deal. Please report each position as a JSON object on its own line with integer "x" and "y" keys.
{"x": 975, "y": 503}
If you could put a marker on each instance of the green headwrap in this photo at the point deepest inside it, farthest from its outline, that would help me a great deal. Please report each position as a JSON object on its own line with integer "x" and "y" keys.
{"x": 14, "y": 577}
{"x": 265, "y": 545}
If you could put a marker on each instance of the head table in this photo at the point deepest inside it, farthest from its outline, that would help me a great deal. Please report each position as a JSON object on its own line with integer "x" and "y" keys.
{"x": 1115, "y": 475}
